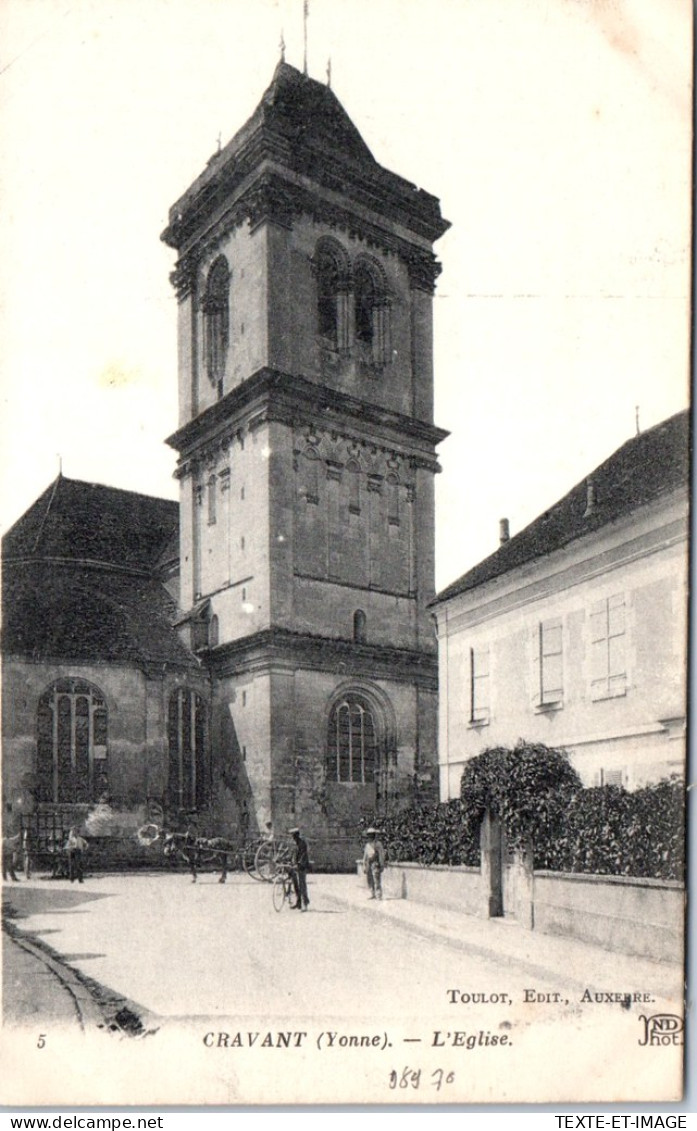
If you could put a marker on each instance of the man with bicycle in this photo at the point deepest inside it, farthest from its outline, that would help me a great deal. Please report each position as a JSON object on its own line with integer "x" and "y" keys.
{"x": 300, "y": 864}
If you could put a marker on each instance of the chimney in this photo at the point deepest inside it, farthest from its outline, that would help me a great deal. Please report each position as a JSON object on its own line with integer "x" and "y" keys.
{"x": 504, "y": 531}
{"x": 590, "y": 499}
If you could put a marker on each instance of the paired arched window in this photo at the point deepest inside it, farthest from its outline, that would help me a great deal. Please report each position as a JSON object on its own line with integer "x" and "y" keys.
{"x": 186, "y": 734}
{"x": 72, "y": 749}
{"x": 352, "y": 743}
{"x": 216, "y": 315}
{"x": 335, "y": 279}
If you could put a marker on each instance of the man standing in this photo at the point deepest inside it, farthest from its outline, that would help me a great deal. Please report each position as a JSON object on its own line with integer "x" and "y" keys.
{"x": 10, "y": 847}
{"x": 301, "y": 866}
{"x": 75, "y": 847}
{"x": 374, "y": 863}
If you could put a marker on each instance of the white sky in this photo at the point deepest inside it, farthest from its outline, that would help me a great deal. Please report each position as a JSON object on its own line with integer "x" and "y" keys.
{"x": 555, "y": 132}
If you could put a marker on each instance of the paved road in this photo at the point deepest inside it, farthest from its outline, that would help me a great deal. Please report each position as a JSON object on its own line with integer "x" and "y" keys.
{"x": 181, "y": 949}
{"x": 210, "y": 959}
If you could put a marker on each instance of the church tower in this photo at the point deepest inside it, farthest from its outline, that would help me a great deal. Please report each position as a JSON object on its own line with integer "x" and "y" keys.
{"x": 306, "y": 443}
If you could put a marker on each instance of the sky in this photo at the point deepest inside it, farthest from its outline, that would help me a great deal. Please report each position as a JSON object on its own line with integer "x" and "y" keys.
{"x": 556, "y": 134}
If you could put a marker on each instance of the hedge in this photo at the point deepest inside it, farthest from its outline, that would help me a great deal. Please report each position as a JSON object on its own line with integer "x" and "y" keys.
{"x": 604, "y": 830}
{"x": 445, "y": 833}
{"x": 610, "y": 832}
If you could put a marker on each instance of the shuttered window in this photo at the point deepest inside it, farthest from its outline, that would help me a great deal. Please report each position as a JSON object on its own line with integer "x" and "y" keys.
{"x": 479, "y": 685}
{"x": 608, "y": 630}
{"x": 548, "y": 663}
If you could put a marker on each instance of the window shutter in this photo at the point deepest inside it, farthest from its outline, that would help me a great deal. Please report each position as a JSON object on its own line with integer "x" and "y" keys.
{"x": 551, "y": 655}
{"x": 535, "y": 644}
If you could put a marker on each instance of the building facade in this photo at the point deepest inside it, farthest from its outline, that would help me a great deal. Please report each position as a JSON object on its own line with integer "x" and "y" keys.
{"x": 574, "y": 633}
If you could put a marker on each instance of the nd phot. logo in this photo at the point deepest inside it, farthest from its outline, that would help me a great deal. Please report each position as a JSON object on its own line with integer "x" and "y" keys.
{"x": 661, "y": 1029}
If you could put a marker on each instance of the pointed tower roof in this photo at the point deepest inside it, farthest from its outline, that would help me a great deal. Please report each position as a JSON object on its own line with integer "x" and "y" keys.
{"x": 309, "y": 113}
{"x": 301, "y": 130}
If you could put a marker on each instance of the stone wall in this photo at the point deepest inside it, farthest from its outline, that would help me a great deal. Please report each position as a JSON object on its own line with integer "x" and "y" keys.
{"x": 625, "y": 914}
{"x": 634, "y": 916}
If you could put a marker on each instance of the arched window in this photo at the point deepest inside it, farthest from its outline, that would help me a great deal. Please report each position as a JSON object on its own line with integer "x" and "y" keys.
{"x": 352, "y": 746}
{"x": 371, "y": 312}
{"x": 327, "y": 295}
{"x": 186, "y": 733}
{"x": 366, "y": 301}
{"x": 308, "y": 484}
{"x": 359, "y": 626}
{"x": 72, "y": 753}
{"x": 354, "y": 487}
{"x": 216, "y": 313}
{"x": 331, "y": 272}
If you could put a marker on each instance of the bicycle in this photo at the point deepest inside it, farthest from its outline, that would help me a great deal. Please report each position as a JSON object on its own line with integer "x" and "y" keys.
{"x": 284, "y": 889}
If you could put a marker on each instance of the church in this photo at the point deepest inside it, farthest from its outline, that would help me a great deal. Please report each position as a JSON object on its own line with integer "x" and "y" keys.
{"x": 264, "y": 651}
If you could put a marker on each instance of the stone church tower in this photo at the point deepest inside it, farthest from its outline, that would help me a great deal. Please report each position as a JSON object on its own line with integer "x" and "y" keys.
{"x": 306, "y": 444}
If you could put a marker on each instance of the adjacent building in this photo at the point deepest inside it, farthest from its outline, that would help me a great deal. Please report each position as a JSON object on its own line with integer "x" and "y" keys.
{"x": 574, "y": 632}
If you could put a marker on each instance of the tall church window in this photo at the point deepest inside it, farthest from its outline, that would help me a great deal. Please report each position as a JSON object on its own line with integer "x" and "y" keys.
{"x": 371, "y": 312}
{"x": 186, "y": 734}
{"x": 216, "y": 313}
{"x": 72, "y": 754}
{"x": 352, "y": 747}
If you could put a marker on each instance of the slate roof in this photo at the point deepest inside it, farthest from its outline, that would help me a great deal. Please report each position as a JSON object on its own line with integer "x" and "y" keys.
{"x": 648, "y": 466}
{"x": 80, "y": 578}
{"x": 301, "y": 123}
{"x": 90, "y": 522}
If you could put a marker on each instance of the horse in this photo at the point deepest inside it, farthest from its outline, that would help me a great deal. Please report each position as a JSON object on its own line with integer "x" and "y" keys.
{"x": 11, "y": 848}
{"x": 198, "y": 850}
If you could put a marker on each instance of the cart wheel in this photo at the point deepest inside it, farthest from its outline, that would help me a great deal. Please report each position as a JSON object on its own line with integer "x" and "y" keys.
{"x": 279, "y": 892}
{"x": 269, "y": 856}
{"x": 248, "y": 856}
